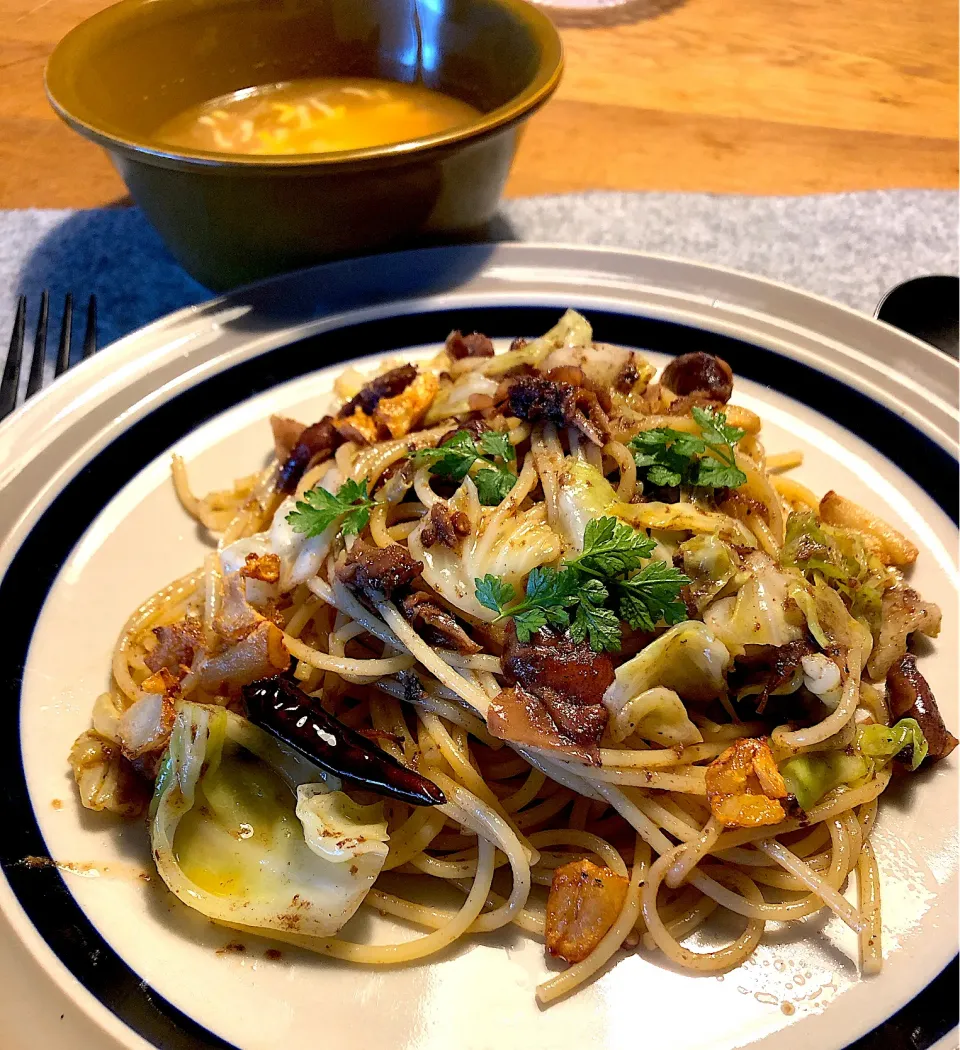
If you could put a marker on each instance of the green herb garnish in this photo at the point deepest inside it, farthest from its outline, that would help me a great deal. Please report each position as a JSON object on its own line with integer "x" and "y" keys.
{"x": 673, "y": 457}
{"x": 591, "y": 593}
{"x": 457, "y": 456}
{"x": 319, "y": 509}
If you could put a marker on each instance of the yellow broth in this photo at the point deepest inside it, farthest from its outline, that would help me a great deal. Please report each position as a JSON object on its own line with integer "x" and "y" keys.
{"x": 320, "y": 115}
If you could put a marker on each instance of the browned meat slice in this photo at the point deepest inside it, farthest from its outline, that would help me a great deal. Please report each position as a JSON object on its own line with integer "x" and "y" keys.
{"x": 286, "y": 434}
{"x": 910, "y": 696}
{"x": 375, "y": 573}
{"x": 388, "y": 385}
{"x": 771, "y": 667}
{"x": 532, "y": 399}
{"x": 520, "y": 717}
{"x": 567, "y": 679}
{"x": 177, "y": 644}
{"x": 554, "y": 661}
{"x": 699, "y": 373}
{"x": 317, "y": 442}
{"x": 436, "y": 624}
{"x": 473, "y": 345}
{"x": 444, "y": 526}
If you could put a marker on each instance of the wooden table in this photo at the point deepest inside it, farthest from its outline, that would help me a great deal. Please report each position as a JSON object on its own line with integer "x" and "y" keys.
{"x": 755, "y": 96}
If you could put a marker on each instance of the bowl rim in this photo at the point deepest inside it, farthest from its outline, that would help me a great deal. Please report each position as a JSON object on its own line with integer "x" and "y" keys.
{"x": 535, "y": 94}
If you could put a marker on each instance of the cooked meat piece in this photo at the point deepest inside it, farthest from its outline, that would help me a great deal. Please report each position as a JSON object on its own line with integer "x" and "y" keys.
{"x": 388, "y": 385}
{"x": 744, "y": 786}
{"x": 177, "y": 644}
{"x": 626, "y": 378}
{"x": 699, "y": 373}
{"x": 436, "y": 624}
{"x": 358, "y": 427}
{"x": 389, "y": 415}
{"x": 261, "y": 654}
{"x": 582, "y": 723}
{"x": 264, "y": 567}
{"x": 444, "y": 526}
{"x": 375, "y": 573}
{"x": 317, "y": 442}
{"x": 554, "y": 661}
{"x": 286, "y": 434}
{"x": 520, "y": 717}
{"x": 584, "y": 902}
{"x": 902, "y": 612}
{"x": 567, "y": 678}
{"x": 772, "y": 667}
{"x": 533, "y": 399}
{"x": 473, "y": 345}
{"x": 396, "y": 416}
{"x": 910, "y": 696}
{"x": 892, "y": 547}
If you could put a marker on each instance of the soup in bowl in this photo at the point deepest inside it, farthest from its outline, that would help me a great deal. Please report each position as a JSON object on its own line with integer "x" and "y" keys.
{"x": 293, "y": 166}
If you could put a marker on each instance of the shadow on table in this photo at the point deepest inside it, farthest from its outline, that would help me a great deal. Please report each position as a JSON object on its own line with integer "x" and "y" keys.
{"x": 115, "y": 254}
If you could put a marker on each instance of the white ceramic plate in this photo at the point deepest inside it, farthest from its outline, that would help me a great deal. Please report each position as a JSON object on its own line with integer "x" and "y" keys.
{"x": 89, "y": 526}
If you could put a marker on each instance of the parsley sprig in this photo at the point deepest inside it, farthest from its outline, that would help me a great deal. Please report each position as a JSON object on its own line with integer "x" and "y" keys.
{"x": 319, "y": 509}
{"x": 672, "y": 457}
{"x": 590, "y": 594}
{"x": 456, "y": 457}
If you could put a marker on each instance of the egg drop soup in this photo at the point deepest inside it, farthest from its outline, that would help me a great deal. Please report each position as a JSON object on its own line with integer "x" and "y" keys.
{"x": 320, "y": 115}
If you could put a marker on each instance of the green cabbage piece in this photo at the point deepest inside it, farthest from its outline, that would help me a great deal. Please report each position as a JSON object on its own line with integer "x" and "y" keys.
{"x": 880, "y": 743}
{"x": 839, "y": 557}
{"x": 810, "y": 776}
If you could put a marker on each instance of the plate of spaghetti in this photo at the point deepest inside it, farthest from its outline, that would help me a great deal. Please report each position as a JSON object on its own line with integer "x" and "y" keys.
{"x": 510, "y": 661}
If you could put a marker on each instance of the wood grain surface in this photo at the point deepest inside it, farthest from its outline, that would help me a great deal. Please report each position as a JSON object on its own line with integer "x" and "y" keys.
{"x": 768, "y": 96}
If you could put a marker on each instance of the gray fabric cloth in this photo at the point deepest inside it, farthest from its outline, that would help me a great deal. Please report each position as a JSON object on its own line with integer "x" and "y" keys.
{"x": 850, "y": 247}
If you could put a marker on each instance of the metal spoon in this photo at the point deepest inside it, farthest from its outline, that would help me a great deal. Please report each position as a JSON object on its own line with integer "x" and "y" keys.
{"x": 928, "y": 308}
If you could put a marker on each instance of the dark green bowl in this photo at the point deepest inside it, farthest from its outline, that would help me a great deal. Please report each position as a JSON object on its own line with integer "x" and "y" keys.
{"x": 228, "y": 219}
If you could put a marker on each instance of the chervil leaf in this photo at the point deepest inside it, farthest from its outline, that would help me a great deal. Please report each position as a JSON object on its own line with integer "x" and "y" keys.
{"x": 497, "y": 443}
{"x": 611, "y": 547}
{"x": 529, "y": 621}
{"x": 663, "y": 476}
{"x": 493, "y": 485}
{"x": 453, "y": 459}
{"x": 711, "y": 473}
{"x": 713, "y": 427}
{"x": 673, "y": 457}
{"x": 319, "y": 509}
{"x": 652, "y": 595}
{"x": 601, "y": 626}
{"x": 494, "y": 593}
{"x": 550, "y": 587}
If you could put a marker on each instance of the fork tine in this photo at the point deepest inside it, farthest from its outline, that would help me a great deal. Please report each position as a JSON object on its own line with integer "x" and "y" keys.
{"x": 11, "y": 369}
{"x": 35, "y": 379}
{"x": 90, "y": 335}
{"x": 66, "y": 331}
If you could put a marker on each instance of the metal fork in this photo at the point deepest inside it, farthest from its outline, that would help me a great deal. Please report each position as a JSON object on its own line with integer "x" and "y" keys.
{"x": 10, "y": 383}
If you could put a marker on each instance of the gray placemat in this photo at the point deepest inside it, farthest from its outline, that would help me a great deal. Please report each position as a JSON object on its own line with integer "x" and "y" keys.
{"x": 850, "y": 247}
